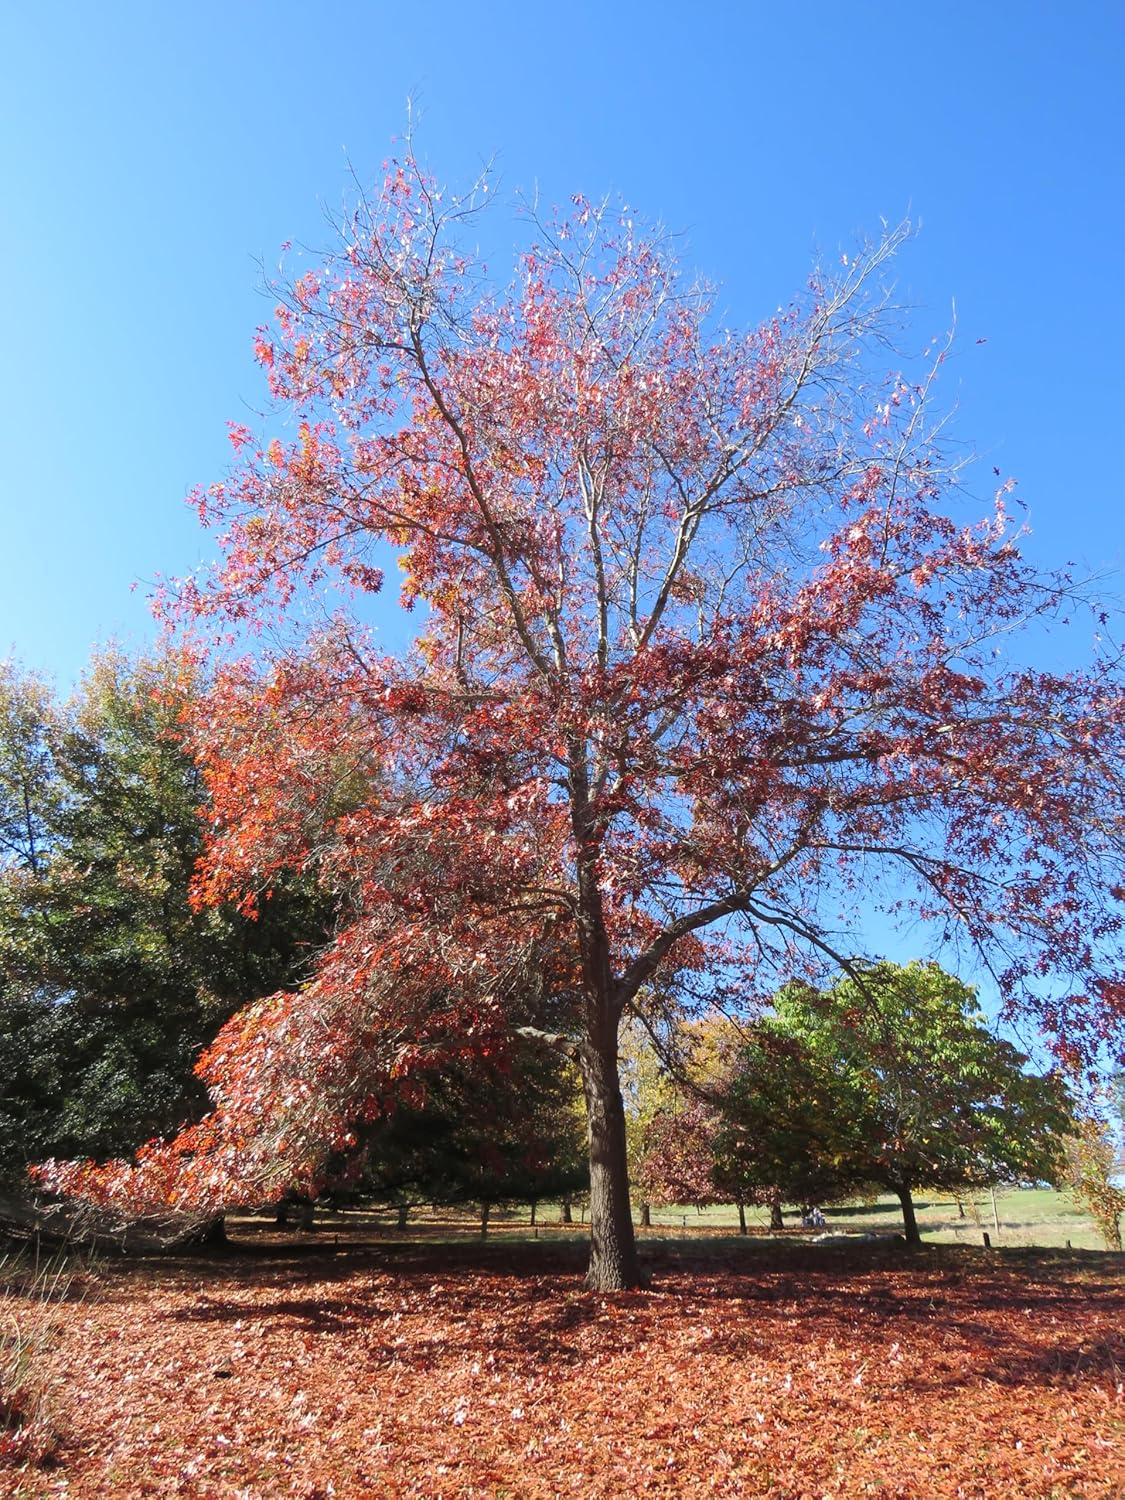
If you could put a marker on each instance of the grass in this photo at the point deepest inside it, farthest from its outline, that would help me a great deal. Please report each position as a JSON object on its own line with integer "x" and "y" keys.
{"x": 1029, "y": 1218}
{"x": 1039, "y": 1217}
{"x": 33, "y": 1291}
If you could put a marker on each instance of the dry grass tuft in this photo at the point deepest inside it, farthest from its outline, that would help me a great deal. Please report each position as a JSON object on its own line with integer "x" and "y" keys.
{"x": 33, "y": 1292}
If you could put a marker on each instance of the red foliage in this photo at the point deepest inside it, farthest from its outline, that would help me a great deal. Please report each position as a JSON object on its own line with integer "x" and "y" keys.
{"x": 677, "y": 1165}
{"x": 702, "y": 664}
{"x": 807, "y": 1376}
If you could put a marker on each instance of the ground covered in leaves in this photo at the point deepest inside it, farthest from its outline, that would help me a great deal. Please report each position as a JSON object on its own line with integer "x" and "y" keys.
{"x": 456, "y": 1370}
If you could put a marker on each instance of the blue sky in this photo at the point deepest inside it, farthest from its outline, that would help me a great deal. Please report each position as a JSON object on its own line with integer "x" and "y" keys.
{"x": 152, "y": 154}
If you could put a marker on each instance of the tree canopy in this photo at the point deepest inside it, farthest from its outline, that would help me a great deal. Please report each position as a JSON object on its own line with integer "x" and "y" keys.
{"x": 498, "y": 1129}
{"x": 888, "y": 1078}
{"x": 784, "y": 1132}
{"x": 110, "y": 983}
{"x": 702, "y": 660}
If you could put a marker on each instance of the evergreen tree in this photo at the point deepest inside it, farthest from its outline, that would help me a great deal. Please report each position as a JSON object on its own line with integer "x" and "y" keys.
{"x": 111, "y": 982}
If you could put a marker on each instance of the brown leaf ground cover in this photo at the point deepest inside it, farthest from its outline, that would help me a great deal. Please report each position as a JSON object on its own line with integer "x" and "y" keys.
{"x": 484, "y": 1370}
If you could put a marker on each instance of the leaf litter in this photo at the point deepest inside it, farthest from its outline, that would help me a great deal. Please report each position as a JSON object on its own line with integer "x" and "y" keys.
{"x": 460, "y": 1371}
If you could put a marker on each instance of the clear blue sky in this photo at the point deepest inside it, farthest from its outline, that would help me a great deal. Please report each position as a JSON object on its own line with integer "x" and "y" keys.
{"x": 152, "y": 153}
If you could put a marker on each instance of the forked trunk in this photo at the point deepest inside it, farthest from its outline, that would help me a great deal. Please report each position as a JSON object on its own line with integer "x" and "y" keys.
{"x": 613, "y": 1248}
{"x": 909, "y": 1222}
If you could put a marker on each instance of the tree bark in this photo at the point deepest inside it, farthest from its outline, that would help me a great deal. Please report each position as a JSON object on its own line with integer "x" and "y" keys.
{"x": 567, "y": 1215}
{"x": 646, "y": 1216}
{"x": 909, "y": 1222}
{"x": 485, "y": 1209}
{"x": 613, "y": 1248}
{"x": 777, "y": 1221}
{"x": 403, "y": 1214}
{"x": 741, "y": 1217}
{"x": 212, "y": 1232}
{"x": 216, "y": 1232}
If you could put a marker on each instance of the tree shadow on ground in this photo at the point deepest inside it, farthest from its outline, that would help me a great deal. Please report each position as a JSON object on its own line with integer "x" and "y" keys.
{"x": 982, "y": 1317}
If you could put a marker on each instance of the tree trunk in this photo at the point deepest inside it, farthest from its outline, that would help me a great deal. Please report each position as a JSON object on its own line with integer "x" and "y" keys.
{"x": 613, "y": 1248}
{"x": 403, "y": 1214}
{"x": 216, "y": 1232}
{"x": 777, "y": 1221}
{"x": 646, "y": 1216}
{"x": 281, "y": 1214}
{"x": 909, "y": 1222}
{"x": 484, "y": 1212}
{"x": 534, "y": 1205}
{"x": 741, "y": 1217}
{"x": 307, "y": 1223}
{"x": 567, "y": 1215}
{"x": 211, "y": 1232}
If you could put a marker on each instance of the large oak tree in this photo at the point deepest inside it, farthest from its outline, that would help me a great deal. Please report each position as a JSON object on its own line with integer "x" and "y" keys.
{"x": 702, "y": 661}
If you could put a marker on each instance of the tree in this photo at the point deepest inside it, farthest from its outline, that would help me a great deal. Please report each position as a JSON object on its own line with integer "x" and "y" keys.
{"x": 701, "y": 661}
{"x": 677, "y": 1165}
{"x": 490, "y": 1130}
{"x": 1090, "y": 1173}
{"x": 671, "y": 1114}
{"x": 646, "y": 1090}
{"x": 786, "y": 1133}
{"x": 893, "y": 1078}
{"x": 28, "y": 793}
{"x": 110, "y": 984}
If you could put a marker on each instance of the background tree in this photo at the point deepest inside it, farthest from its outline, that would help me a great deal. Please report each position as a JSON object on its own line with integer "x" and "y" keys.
{"x": 490, "y": 1130}
{"x": 677, "y": 1165}
{"x": 110, "y": 983}
{"x": 911, "y": 1089}
{"x": 28, "y": 788}
{"x": 701, "y": 661}
{"x": 646, "y": 1089}
{"x": 671, "y": 1114}
{"x": 786, "y": 1133}
{"x": 1091, "y": 1176}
